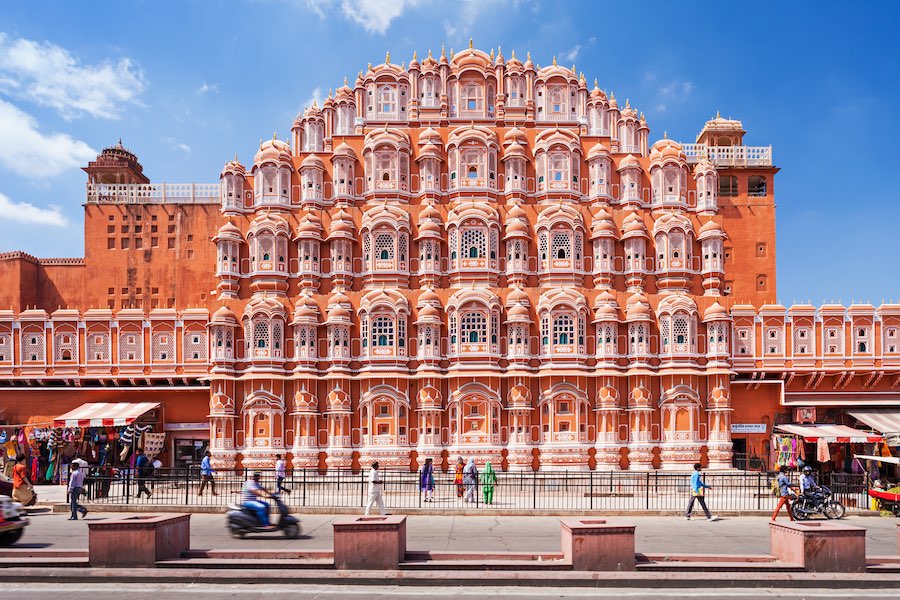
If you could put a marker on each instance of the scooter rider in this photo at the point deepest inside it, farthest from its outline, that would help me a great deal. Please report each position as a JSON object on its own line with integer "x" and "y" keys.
{"x": 808, "y": 486}
{"x": 251, "y": 497}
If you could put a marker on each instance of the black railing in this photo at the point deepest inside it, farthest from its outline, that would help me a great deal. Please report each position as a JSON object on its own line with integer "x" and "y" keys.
{"x": 514, "y": 490}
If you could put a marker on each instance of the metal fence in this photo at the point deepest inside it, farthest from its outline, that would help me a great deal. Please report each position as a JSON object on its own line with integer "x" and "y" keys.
{"x": 514, "y": 490}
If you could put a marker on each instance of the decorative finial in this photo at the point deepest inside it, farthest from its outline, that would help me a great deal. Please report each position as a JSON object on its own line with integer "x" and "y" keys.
{"x": 665, "y": 135}
{"x": 513, "y": 55}
{"x": 573, "y": 68}
{"x": 315, "y": 105}
{"x": 451, "y": 53}
{"x": 470, "y": 43}
{"x": 429, "y": 53}
{"x": 329, "y": 92}
{"x": 596, "y": 85}
{"x": 718, "y": 116}
{"x": 403, "y": 65}
{"x": 345, "y": 81}
{"x": 499, "y": 50}
{"x": 554, "y": 61}
{"x": 415, "y": 55}
{"x": 492, "y": 55}
{"x": 627, "y": 103}
{"x": 442, "y": 51}
{"x": 235, "y": 157}
{"x": 528, "y": 55}
{"x": 275, "y": 134}
{"x": 387, "y": 58}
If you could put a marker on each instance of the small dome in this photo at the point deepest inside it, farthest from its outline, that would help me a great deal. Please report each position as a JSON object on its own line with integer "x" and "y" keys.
{"x": 606, "y": 312}
{"x": 234, "y": 167}
{"x": 229, "y": 231}
{"x": 514, "y": 136}
{"x": 309, "y": 227}
{"x": 341, "y": 226}
{"x": 519, "y": 396}
{"x": 338, "y": 400}
{"x": 429, "y": 397}
{"x": 305, "y": 402}
{"x": 703, "y": 167}
{"x": 607, "y": 397}
{"x": 430, "y": 296}
{"x": 312, "y": 162}
{"x": 629, "y": 162}
{"x": 430, "y": 212}
{"x": 638, "y": 309}
{"x": 344, "y": 150}
{"x": 518, "y": 313}
{"x": 603, "y": 225}
{"x": 715, "y": 312}
{"x": 518, "y": 295}
{"x": 515, "y": 150}
{"x": 667, "y": 150}
{"x": 430, "y": 136}
{"x": 429, "y": 312}
{"x": 606, "y": 297}
{"x": 598, "y": 151}
{"x": 273, "y": 150}
{"x": 223, "y": 315}
{"x": 633, "y": 226}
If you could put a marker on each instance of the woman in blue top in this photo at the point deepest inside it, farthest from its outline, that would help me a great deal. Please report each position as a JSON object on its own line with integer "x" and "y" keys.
{"x": 426, "y": 480}
{"x": 697, "y": 487}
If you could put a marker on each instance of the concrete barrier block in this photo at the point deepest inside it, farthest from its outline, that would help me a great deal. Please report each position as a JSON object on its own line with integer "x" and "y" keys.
{"x": 363, "y": 543}
{"x": 139, "y": 540}
{"x": 819, "y": 546}
{"x": 598, "y": 544}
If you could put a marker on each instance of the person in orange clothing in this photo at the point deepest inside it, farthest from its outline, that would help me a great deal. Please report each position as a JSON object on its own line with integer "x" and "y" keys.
{"x": 23, "y": 490}
{"x": 785, "y": 492}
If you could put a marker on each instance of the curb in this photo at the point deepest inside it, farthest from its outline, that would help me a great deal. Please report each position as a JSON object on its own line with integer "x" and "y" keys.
{"x": 484, "y": 578}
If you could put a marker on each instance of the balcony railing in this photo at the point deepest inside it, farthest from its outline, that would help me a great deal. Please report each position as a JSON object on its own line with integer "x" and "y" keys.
{"x": 153, "y": 193}
{"x": 730, "y": 156}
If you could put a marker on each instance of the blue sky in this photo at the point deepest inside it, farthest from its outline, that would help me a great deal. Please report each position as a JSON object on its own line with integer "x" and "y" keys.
{"x": 188, "y": 84}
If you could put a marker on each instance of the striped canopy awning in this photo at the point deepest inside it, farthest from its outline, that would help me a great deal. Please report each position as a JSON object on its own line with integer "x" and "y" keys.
{"x": 104, "y": 414}
{"x": 830, "y": 433}
{"x": 883, "y": 420}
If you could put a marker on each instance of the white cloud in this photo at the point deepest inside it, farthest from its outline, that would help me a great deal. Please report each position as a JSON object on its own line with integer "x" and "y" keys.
{"x": 31, "y": 153}
{"x": 375, "y": 16}
{"x": 49, "y": 75}
{"x": 208, "y": 88}
{"x": 572, "y": 55}
{"x": 674, "y": 92}
{"x": 22, "y": 212}
{"x": 315, "y": 97}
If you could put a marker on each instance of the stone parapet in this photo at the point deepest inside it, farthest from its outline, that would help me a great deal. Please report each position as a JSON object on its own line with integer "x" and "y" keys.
{"x": 377, "y": 542}
{"x": 139, "y": 540}
{"x": 820, "y": 547}
{"x": 598, "y": 544}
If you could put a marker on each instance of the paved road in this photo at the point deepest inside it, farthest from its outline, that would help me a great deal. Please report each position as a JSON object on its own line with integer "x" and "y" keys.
{"x": 149, "y": 591}
{"x": 737, "y": 535}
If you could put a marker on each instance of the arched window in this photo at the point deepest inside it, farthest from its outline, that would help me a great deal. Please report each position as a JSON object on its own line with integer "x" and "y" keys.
{"x": 516, "y": 90}
{"x": 383, "y": 332}
{"x": 563, "y": 330}
{"x": 473, "y": 243}
{"x": 387, "y": 101}
{"x": 472, "y": 100}
{"x": 561, "y": 245}
{"x": 474, "y": 327}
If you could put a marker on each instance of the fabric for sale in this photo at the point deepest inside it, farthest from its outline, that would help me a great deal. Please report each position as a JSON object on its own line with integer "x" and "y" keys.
{"x": 154, "y": 444}
{"x": 831, "y": 433}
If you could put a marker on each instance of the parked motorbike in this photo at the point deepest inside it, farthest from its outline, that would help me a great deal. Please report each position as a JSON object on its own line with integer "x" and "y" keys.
{"x": 821, "y": 503}
{"x": 242, "y": 521}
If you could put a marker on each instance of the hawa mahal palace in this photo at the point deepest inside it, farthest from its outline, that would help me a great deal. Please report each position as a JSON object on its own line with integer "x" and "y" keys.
{"x": 466, "y": 255}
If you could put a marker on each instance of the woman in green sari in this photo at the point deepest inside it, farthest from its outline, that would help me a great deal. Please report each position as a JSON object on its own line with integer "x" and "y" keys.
{"x": 488, "y": 481}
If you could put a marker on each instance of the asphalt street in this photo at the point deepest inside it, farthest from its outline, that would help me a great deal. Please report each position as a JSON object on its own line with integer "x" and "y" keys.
{"x": 731, "y": 535}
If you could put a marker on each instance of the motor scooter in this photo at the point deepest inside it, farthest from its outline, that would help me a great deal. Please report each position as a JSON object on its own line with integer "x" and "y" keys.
{"x": 241, "y": 521}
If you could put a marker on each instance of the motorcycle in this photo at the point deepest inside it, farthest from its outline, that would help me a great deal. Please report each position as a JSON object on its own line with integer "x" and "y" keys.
{"x": 821, "y": 503}
{"x": 242, "y": 521}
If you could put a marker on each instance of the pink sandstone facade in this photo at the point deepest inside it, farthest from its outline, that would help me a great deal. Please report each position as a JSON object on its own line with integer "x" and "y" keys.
{"x": 468, "y": 255}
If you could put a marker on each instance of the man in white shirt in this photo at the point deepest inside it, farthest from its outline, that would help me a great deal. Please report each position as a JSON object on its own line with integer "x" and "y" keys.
{"x": 280, "y": 474}
{"x": 375, "y": 490}
{"x": 78, "y": 471}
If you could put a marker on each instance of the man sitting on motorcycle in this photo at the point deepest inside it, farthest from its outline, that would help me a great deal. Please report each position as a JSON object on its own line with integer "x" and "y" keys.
{"x": 251, "y": 498}
{"x": 808, "y": 486}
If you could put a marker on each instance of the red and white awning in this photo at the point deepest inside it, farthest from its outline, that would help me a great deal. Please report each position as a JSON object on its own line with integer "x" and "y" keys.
{"x": 885, "y": 421}
{"x": 830, "y": 433}
{"x": 104, "y": 414}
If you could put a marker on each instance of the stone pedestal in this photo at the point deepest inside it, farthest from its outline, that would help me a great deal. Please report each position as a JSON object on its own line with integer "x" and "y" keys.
{"x": 366, "y": 543}
{"x": 820, "y": 546}
{"x": 139, "y": 540}
{"x": 598, "y": 544}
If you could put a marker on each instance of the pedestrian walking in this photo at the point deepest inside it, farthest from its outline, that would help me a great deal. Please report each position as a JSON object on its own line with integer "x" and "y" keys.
{"x": 785, "y": 492}
{"x": 458, "y": 477}
{"x": 142, "y": 469}
{"x": 375, "y": 490}
{"x": 488, "y": 481}
{"x": 207, "y": 475}
{"x": 470, "y": 479}
{"x": 697, "y": 494}
{"x": 426, "y": 480}
{"x": 23, "y": 489}
{"x": 280, "y": 471}
{"x": 77, "y": 472}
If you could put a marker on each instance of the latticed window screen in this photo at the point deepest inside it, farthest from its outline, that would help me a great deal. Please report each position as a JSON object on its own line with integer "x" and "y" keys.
{"x": 33, "y": 346}
{"x": 473, "y": 244}
{"x": 494, "y": 244}
{"x": 277, "y": 338}
{"x": 474, "y": 327}
{"x": 543, "y": 246}
{"x": 162, "y": 346}
{"x": 563, "y": 330}
{"x": 261, "y": 335}
{"x": 401, "y": 331}
{"x": 5, "y": 347}
{"x": 892, "y": 340}
{"x": 384, "y": 246}
{"x": 383, "y": 332}
{"x": 637, "y": 338}
{"x": 774, "y": 344}
{"x": 681, "y": 334}
{"x": 561, "y": 245}
{"x": 545, "y": 330}
{"x": 130, "y": 347}
{"x": 834, "y": 340}
{"x": 802, "y": 341}
{"x": 743, "y": 343}
{"x": 861, "y": 339}
{"x": 606, "y": 339}
{"x": 665, "y": 332}
{"x": 367, "y": 246}
{"x": 403, "y": 243}
{"x": 98, "y": 347}
{"x": 65, "y": 347}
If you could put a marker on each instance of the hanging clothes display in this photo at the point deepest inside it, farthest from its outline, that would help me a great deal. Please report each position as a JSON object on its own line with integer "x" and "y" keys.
{"x": 823, "y": 454}
{"x": 154, "y": 444}
{"x": 786, "y": 448}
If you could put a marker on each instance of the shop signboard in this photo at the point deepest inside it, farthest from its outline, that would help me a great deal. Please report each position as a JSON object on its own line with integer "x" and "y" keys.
{"x": 748, "y": 428}
{"x": 892, "y": 439}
